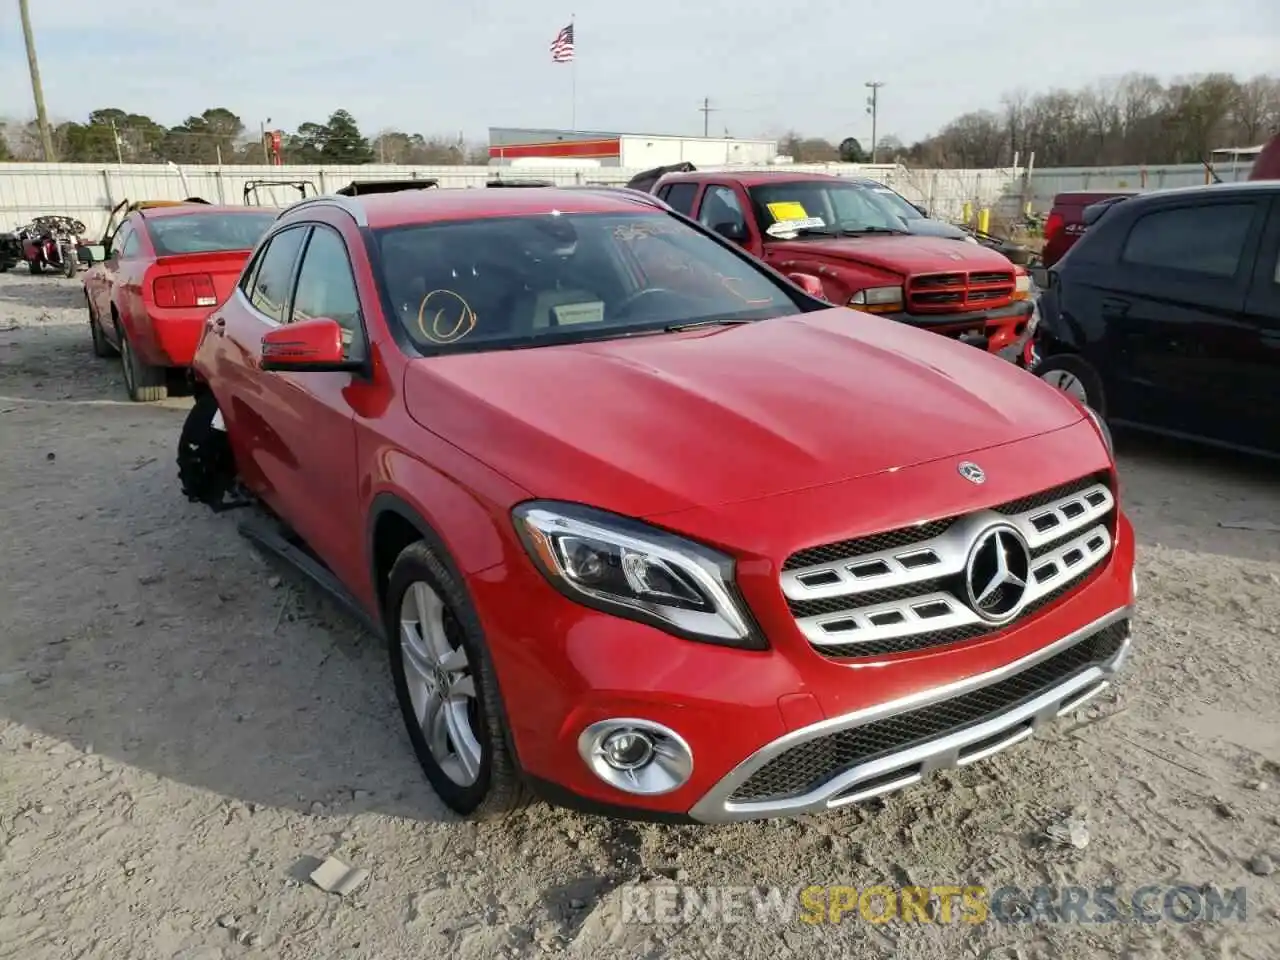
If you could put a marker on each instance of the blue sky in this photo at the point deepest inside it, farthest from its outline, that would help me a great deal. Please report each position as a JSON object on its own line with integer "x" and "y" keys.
{"x": 471, "y": 64}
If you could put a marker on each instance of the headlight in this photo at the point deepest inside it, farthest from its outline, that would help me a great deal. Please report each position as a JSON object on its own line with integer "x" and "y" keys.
{"x": 633, "y": 570}
{"x": 1102, "y": 429}
{"x": 875, "y": 299}
{"x": 1022, "y": 287}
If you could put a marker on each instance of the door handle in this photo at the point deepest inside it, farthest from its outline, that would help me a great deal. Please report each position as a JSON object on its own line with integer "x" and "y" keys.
{"x": 1113, "y": 308}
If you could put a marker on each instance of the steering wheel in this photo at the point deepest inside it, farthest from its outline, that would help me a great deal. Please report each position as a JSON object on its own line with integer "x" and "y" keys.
{"x": 624, "y": 307}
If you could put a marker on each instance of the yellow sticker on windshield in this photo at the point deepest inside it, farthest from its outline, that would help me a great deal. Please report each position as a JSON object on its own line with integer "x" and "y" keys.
{"x": 788, "y": 210}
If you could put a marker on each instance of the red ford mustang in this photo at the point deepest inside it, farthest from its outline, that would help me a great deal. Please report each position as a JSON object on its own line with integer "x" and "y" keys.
{"x": 165, "y": 269}
{"x": 648, "y": 529}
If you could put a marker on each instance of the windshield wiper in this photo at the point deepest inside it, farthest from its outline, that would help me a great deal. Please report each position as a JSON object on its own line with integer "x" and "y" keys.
{"x": 866, "y": 230}
{"x": 695, "y": 324}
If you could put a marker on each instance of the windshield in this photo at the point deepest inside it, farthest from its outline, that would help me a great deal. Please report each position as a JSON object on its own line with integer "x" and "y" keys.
{"x": 555, "y": 278}
{"x": 208, "y": 232}
{"x": 895, "y": 202}
{"x": 821, "y": 208}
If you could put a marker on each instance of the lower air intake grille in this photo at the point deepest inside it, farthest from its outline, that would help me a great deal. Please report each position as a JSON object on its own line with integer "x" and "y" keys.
{"x": 808, "y": 765}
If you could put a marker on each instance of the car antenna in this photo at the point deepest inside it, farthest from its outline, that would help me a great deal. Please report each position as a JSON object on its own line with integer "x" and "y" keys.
{"x": 1208, "y": 168}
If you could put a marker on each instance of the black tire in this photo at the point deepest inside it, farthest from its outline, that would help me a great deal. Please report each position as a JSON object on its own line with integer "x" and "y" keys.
{"x": 499, "y": 789}
{"x": 101, "y": 345}
{"x": 35, "y": 266}
{"x": 206, "y": 463}
{"x": 69, "y": 264}
{"x": 145, "y": 383}
{"x": 1058, "y": 368}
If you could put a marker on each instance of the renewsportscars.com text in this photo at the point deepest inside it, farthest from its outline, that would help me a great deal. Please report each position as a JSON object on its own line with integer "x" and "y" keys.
{"x": 942, "y": 904}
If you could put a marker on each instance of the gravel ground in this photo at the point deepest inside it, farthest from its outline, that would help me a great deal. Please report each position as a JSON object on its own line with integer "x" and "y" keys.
{"x": 185, "y": 729}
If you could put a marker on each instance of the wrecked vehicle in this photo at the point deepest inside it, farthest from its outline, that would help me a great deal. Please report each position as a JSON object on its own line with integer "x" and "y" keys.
{"x": 648, "y": 529}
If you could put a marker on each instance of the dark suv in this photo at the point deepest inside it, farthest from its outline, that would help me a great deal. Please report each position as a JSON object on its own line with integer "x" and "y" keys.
{"x": 1166, "y": 315}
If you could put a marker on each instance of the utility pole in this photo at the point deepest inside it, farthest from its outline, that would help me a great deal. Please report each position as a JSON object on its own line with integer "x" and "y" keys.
{"x": 706, "y": 110}
{"x": 115, "y": 138}
{"x": 873, "y": 104}
{"x": 42, "y": 118}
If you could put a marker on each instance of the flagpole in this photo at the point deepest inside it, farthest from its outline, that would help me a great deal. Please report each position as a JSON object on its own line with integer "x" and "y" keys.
{"x": 573, "y": 68}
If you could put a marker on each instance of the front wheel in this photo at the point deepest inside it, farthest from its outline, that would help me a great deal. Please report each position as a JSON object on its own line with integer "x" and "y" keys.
{"x": 445, "y": 684}
{"x": 1075, "y": 376}
{"x": 35, "y": 266}
{"x": 69, "y": 264}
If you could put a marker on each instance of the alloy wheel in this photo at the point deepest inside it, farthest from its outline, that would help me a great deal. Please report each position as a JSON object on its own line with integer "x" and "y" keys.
{"x": 440, "y": 684}
{"x": 1068, "y": 383}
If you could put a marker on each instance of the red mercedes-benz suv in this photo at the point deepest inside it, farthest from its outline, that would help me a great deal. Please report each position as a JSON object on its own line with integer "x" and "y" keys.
{"x": 648, "y": 528}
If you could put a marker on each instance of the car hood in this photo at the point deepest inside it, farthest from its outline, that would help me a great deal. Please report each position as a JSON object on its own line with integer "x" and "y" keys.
{"x": 653, "y": 424}
{"x": 903, "y": 254}
{"x": 926, "y": 227}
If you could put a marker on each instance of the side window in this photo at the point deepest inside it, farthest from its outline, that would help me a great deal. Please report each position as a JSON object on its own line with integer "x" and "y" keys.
{"x": 270, "y": 288}
{"x": 720, "y": 206}
{"x": 679, "y": 196}
{"x": 131, "y": 243}
{"x": 115, "y": 248}
{"x": 327, "y": 288}
{"x": 1207, "y": 239}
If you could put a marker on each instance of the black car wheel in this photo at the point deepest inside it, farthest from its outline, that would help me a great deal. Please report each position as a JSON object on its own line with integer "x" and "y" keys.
{"x": 145, "y": 383}
{"x": 101, "y": 345}
{"x": 445, "y": 683}
{"x": 1076, "y": 377}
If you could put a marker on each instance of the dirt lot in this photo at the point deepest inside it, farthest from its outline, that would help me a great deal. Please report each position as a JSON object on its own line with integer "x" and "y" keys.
{"x": 184, "y": 729}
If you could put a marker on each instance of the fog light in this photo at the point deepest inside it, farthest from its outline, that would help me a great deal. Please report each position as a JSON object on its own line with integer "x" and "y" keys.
{"x": 637, "y": 756}
{"x": 627, "y": 749}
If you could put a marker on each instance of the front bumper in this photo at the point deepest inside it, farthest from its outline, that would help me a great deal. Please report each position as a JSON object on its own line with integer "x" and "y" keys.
{"x": 1002, "y": 331}
{"x": 1086, "y": 661}
{"x": 562, "y": 667}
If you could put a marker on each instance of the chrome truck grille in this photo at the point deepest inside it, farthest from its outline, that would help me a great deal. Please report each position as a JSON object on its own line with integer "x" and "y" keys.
{"x": 959, "y": 292}
{"x": 950, "y": 580}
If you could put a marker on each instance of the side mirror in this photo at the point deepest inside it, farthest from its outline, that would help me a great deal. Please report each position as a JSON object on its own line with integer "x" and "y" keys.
{"x": 308, "y": 346}
{"x": 733, "y": 230}
{"x": 923, "y": 211}
{"x": 809, "y": 284}
{"x": 84, "y": 255}
{"x": 91, "y": 253}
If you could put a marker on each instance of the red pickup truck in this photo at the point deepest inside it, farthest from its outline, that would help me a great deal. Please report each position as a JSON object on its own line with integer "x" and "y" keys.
{"x": 1066, "y": 222}
{"x": 836, "y": 239}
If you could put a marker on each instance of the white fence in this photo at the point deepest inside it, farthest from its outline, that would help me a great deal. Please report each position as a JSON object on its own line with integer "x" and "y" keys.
{"x": 89, "y": 191}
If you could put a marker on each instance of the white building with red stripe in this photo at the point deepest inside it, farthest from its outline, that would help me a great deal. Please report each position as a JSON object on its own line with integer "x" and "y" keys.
{"x": 629, "y": 150}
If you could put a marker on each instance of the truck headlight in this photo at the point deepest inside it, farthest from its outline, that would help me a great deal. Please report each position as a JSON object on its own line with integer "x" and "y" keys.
{"x": 631, "y": 569}
{"x": 1022, "y": 287}
{"x": 878, "y": 299}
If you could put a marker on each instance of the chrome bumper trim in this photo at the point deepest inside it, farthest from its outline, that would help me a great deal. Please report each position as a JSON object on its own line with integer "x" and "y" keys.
{"x": 950, "y": 750}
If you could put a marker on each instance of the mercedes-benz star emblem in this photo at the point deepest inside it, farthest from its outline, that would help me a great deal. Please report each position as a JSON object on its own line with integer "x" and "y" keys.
{"x": 972, "y": 472}
{"x": 997, "y": 573}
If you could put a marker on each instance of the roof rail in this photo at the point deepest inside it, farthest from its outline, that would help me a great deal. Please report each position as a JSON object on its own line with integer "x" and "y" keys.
{"x": 354, "y": 210}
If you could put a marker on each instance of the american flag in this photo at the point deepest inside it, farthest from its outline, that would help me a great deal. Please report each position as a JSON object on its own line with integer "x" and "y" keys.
{"x": 562, "y": 46}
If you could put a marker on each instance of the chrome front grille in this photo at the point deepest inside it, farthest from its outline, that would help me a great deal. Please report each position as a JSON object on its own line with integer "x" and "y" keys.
{"x": 945, "y": 292}
{"x": 920, "y": 586}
